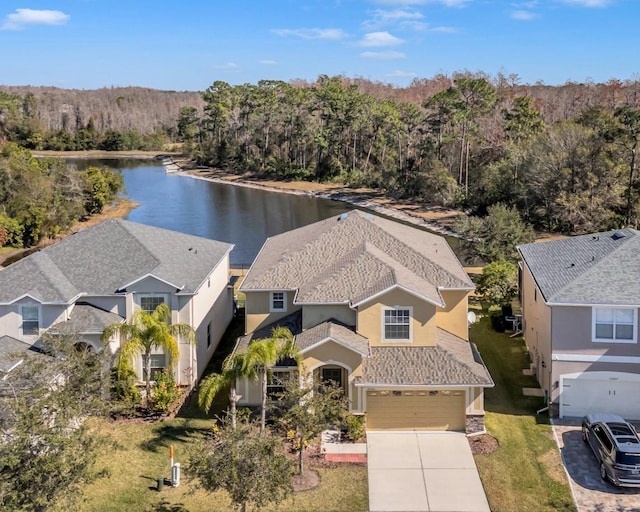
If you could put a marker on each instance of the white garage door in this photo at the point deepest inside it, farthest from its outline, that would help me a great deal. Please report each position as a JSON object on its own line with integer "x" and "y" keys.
{"x": 614, "y": 392}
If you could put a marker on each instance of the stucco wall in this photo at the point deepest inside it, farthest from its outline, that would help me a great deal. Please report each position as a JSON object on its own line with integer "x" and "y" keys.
{"x": 314, "y": 315}
{"x": 453, "y": 317}
{"x": 333, "y": 353}
{"x": 257, "y": 312}
{"x": 370, "y": 317}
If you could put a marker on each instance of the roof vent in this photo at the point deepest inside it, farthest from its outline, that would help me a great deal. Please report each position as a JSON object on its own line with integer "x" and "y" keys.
{"x": 618, "y": 235}
{"x": 343, "y": 216}
{"x": 370, "y": 217}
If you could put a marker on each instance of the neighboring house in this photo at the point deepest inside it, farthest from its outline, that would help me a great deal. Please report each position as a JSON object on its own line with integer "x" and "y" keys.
{"x": 580, "y": 298}
{"x": 103, "y": 274}
{"x": 378, "y": 307}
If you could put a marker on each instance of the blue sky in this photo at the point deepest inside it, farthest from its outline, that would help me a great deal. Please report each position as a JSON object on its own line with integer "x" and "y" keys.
{"x": 188, "y": 44}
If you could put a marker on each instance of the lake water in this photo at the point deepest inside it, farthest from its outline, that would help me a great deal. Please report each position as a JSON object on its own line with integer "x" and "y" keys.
{"x": 242, "y": 216}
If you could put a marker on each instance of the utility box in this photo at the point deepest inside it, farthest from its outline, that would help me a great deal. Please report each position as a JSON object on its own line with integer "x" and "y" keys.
{"x": 175, "y": 475}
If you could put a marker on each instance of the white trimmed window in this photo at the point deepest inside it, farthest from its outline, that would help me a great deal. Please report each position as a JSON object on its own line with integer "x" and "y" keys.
{"x": 149, "y": 303}
{"x": 158, "y": 364}
{"x": 615, "y": 325}
{"x": 277, "y": 301}
{"x": 30, "y": 325}
{"x": 397, "y": 324}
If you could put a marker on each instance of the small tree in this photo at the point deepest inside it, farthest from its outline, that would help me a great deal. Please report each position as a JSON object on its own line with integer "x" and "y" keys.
{"x": 309, "y": 409}
{"x": 145, "y": 332}
{"x": 232, "y": 369}
{"x": 495, "y": 236}
{"x": 48, "y": 451}
{"x": 251, "y": 466}
{"x": 498, "y": 283}
{"x": 262, "y": 355}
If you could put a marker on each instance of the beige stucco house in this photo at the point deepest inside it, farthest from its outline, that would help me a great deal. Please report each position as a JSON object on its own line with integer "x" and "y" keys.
{"x": 378, "y": 307}
{"x": 580, "y": 299}
{"x": 102, "y": 275}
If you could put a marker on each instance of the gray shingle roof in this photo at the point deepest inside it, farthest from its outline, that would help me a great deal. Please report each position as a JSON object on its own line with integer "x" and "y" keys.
{"x": 104, "y": 258}
{"x": 85, "y": 319}
{"x": 601, "y": 268}
{"x": 353, "y": 256}
{"x": 12, "y": 351}
{"x": 451, "y": 362}
{"x": 336, "y": 331}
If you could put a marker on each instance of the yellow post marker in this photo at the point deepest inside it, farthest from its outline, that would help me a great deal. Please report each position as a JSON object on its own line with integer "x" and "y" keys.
{"x": 171, "y": 454}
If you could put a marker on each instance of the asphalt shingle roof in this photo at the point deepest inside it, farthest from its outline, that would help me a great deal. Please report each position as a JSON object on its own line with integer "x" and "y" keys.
{"x": 336, "y": 331}
{"x": 452, "y": 361}
{"x": 600, "y": 268}
{"x": 351, "y": 257}
{"x": 12, "y": 351}
{"x": 85, "y": 319}
{"x": 104, "y": 258}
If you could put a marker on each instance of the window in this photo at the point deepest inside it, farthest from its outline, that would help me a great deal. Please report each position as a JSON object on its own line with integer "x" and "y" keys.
{"x": 278, "y": 302}
{"x": 30, "y": 320}
{"x": 208, "y": 334}
{"x": 276, "y": 382}
{"x": 149, "y": 303}
{"x": 397, "y": 324}
{"x": 614, "y": 325}
{"x": 158, "y": 363}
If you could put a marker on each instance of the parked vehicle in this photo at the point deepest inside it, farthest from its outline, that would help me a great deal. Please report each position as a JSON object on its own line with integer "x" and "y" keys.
{"x": 616, "y": 445}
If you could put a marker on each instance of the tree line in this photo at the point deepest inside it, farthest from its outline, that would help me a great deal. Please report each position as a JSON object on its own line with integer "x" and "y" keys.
{"x": 471, "y": 145}
{"x": 42, "y": 197}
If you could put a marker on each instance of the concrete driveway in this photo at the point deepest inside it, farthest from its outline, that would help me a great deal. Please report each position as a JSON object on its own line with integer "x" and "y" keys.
{"x": 423, "y": 472}
{"x": 590, "y": 492}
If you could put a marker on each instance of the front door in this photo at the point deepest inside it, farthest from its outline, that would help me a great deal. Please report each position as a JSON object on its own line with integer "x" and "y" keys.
{"x": 332, "y": 375}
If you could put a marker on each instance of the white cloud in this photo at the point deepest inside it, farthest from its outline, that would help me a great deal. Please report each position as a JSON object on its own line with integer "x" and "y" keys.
{"x": 332, "y": 34}
{"x": 268, "y": 62}
{"x": 401, "y": 74}
{"x": 523, "y": 15}
{"x": 25, "y": 17}
{"x": 444, "y": 30}
{"x": 378, "y": 39}
{"x": 588, "y": 3}
{"x": 229, "y": 66}
{"x": 381, "y": 18}
{"x": 383, "y": 55}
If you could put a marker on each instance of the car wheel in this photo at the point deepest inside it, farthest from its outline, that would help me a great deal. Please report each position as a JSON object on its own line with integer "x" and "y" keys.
{"x": 584, "y": 436}
{"x": 603, "y": 471}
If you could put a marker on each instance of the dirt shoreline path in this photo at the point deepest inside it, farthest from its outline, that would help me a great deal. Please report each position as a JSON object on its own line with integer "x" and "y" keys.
{"x": 435, "y": 219}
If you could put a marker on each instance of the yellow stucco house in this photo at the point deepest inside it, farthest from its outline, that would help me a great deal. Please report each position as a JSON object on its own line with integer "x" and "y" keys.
{"x": 378, "y": 307}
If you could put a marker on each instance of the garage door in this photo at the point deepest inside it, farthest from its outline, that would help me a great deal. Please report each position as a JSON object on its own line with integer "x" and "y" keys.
{"x": 614, "y": 392}
{"x": 416, "y": 410}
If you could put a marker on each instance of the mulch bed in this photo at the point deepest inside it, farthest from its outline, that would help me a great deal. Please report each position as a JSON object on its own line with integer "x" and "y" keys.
{"x": 484, "y": 443}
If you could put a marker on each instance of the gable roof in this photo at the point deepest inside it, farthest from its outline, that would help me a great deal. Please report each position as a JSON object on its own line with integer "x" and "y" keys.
{"x": 87, "y": 319}
{"x": 451, "y": 362}
{"x": 348, "y": 258}
{"x": 587, "y": 269}
{"x": 13, "y": 352}
{"x": 104, "y": 258}
{"x": 332, "y": 330}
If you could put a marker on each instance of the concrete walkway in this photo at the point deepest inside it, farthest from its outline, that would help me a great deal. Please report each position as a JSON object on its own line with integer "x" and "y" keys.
{"x": 423, "y": 472}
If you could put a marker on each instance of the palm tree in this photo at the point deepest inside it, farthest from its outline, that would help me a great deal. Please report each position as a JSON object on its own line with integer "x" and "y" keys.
{"x": 265, "y": 353}
{"x": 232, "y": 369}
{"x": 143, "y": 333}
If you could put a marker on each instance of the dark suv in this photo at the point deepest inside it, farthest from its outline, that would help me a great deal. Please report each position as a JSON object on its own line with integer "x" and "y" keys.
{"x": 616, "y": 445}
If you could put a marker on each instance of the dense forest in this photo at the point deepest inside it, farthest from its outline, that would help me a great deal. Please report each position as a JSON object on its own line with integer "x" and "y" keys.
{"x": 564, "y": 157}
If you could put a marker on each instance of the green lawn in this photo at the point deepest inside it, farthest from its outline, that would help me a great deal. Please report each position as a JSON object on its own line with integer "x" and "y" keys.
{"x": 525, "y": 473}
{"x": 140, "y": 455}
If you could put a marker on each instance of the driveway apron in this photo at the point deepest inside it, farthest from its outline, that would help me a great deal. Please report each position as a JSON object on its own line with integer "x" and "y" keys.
{"x": 423, "y": 472}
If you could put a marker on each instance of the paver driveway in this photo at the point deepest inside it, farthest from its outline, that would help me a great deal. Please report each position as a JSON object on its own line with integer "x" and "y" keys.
{"x": 591, "y": 493}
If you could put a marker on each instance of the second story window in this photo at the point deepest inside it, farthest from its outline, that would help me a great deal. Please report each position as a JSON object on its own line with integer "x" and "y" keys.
{"x": 397, "y": 324}
{"x": 278, "y": 301}
{"x": 30, "y": 320}
{"x": 616, "y": 325}
{"x": 149, "y": 303}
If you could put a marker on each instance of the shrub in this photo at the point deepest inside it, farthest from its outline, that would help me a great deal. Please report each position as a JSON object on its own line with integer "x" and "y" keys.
{"x": 123, "y": 388}
{"x": 165, "y": 392}
{"x": 355, "y": 427}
